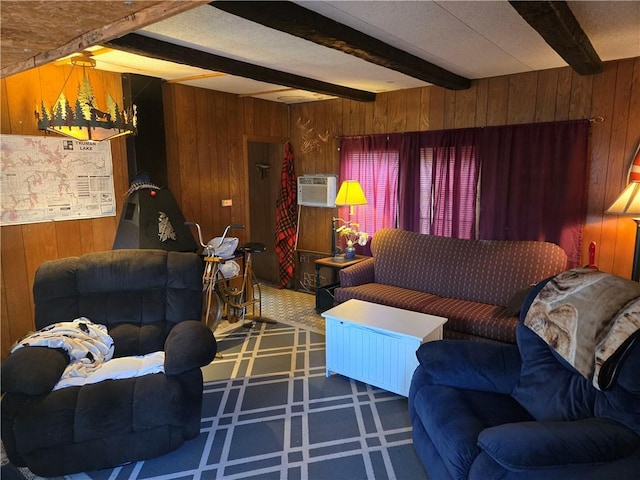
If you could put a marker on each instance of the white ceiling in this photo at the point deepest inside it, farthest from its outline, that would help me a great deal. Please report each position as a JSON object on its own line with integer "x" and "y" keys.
{"x": 474, "y": 39}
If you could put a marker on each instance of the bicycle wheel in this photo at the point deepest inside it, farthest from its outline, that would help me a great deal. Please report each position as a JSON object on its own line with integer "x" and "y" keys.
{"x": 211, "y": 307}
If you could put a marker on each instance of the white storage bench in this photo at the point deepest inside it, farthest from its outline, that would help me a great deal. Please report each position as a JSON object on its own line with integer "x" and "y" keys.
{"x": 377, "y": 344}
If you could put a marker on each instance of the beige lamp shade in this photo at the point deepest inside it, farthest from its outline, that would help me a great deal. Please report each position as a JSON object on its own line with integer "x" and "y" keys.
{"x": 628, "y": 202}
{"x": 350, "y": 194}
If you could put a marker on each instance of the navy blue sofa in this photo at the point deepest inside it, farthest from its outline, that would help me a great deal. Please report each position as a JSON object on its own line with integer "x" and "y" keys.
{"x": 491, "y": 411}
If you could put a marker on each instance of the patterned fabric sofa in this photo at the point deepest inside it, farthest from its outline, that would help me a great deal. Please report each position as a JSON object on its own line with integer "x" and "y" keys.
{"x": 479, "y": 285}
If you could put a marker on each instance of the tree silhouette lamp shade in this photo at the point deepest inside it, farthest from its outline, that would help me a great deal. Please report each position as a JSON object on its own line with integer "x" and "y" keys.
{"x": 350, "y": 194}
{"x": 85, "y": 118}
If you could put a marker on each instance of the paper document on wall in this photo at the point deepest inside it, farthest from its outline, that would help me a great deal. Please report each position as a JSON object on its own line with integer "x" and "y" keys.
{"x": 54, "y": 178}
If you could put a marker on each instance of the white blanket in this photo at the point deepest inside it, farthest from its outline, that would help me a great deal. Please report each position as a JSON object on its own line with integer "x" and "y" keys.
{"x": 123, "y": 367}
{"x": 84, "y": 341}
{"x": 90, "y": 349}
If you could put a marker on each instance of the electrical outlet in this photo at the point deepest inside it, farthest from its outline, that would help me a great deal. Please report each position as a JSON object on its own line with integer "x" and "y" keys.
{"x": 227, "y": 202}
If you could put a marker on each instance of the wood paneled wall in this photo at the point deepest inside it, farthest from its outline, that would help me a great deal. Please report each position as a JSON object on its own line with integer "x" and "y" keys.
{"x": 550, "y": 95}
{"x": 206, "y": 135}
{"x": 24, "y": 247}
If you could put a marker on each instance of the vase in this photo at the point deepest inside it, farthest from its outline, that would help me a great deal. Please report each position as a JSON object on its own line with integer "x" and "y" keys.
{"x": 350, "y": 251}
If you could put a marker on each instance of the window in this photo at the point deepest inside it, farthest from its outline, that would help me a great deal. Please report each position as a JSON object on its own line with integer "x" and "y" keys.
{"x": 423, "y": 182}
{"x": 373, "y": 161}
{"x": 448, "y": 191}
{"x": 533, "y": 182}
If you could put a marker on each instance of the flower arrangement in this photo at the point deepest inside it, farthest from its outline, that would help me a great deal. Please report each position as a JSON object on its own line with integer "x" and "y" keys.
{"x": 352, "y": 234}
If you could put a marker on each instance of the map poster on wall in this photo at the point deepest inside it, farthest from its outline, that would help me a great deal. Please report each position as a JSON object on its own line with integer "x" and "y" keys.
{"x": 54, "y": 178}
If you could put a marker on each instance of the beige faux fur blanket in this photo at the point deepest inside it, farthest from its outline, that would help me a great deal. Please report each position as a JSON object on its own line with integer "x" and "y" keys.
{"x": 585, "y": 315}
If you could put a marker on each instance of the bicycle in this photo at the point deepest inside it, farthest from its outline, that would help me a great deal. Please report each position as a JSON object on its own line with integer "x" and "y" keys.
{"x": 214, "y": 284}
{"x": 219, "y": 299}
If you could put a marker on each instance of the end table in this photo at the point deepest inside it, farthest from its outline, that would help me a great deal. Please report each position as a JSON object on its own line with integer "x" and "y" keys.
{"x": 336, "y": 265}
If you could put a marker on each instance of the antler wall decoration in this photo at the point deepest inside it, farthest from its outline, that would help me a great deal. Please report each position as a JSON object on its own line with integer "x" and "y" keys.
{"x": 310, "y": 139}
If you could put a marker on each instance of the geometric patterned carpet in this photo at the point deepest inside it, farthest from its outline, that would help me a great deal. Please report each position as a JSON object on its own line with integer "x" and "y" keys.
{"x": 282, "y": 411}
{"x": 270, "y": 412}
{"x": 285, "y": 305}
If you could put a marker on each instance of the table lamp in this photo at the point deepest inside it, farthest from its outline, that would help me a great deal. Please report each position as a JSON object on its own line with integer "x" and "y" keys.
{"x": 628, "y": 203}
{"x": 349, "y": 195}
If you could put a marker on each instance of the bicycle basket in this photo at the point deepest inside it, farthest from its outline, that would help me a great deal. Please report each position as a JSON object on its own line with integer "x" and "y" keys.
{"x": 230, "y": 269}
{"x": 228, "y": 247}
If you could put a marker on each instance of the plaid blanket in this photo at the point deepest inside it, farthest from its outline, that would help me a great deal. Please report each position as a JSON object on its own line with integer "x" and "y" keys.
{"x": 286, "y": 220}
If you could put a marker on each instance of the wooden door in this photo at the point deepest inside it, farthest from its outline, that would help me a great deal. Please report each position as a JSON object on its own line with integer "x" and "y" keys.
{"x": 265, "y": 165}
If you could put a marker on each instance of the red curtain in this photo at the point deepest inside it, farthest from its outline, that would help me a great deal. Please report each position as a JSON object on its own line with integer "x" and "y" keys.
{"x": 438, "y": 182}
{"x": 534, "y": 183}
{"x": 373, "y": 161}
{"x": 515, "y": 182}
{"x": 286, "y": 218}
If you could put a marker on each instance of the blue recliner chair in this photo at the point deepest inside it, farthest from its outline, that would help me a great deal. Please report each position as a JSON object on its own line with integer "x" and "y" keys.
{"x": 564, "y": 403}
{"x": 149, "y": 301}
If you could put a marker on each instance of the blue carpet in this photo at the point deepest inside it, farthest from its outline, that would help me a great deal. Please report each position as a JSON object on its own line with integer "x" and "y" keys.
{"x": 270, "y": 412}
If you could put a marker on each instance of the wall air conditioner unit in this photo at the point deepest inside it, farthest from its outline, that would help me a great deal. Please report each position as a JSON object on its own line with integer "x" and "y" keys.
{"x": 317, "y": 190}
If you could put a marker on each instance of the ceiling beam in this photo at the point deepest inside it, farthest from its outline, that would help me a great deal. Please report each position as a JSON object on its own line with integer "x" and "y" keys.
{"x": 301, "y": 22}
{"x": 150, "y": 47}
{"x": 134, "y": 21}
{"x": 557, "y": 25}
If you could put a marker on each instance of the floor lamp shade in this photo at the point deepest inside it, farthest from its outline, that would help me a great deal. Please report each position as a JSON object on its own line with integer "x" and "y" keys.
{"x": 628, "y": 203}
